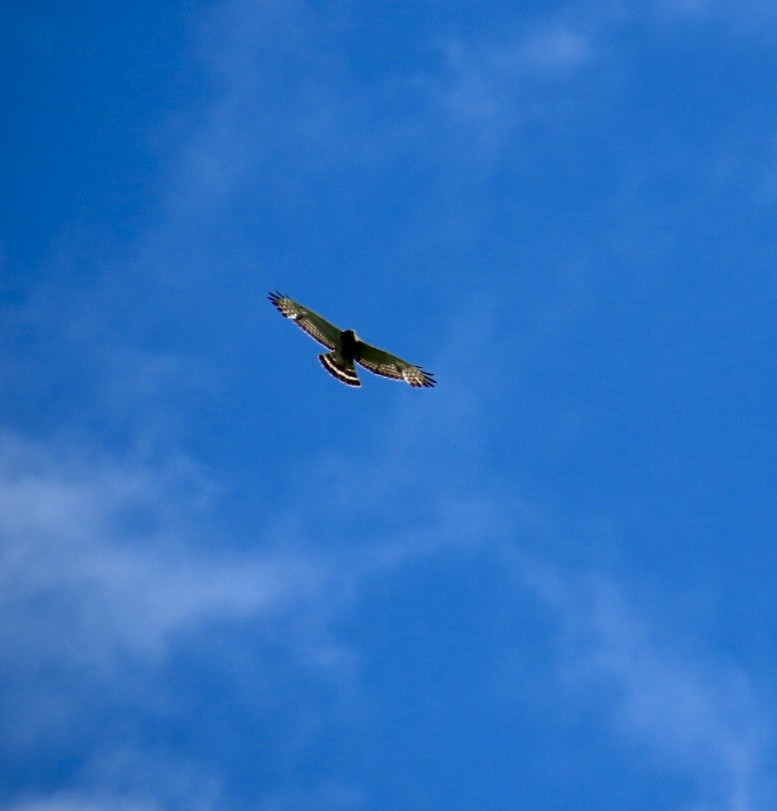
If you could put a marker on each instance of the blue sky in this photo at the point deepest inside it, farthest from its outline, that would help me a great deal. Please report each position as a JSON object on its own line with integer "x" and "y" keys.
{"x": 229, "y": 582}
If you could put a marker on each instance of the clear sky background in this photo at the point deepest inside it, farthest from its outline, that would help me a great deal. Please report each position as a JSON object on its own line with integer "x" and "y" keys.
{"x": 229, "y": 582}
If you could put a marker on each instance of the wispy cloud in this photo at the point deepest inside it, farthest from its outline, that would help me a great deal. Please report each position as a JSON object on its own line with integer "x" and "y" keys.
{"x": 501, "y": 83}
{"x": 494, "y": 82}
{"x": 746, "y": 18}
{"x": 77, "y": 802}
{"x": 691, "y": 715}
{"x": 97, "y": 801}
{"x": 103, "y": 561}
{"x": 117, "y": 778}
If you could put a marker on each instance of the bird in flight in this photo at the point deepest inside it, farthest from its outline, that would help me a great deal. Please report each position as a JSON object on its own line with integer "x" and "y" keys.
{"x": 346, "y": 347}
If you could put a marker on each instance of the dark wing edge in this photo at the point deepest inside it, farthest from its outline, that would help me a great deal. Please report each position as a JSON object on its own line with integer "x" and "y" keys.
{"x": 317, "y": 327}
{"x": 388, "y": 365}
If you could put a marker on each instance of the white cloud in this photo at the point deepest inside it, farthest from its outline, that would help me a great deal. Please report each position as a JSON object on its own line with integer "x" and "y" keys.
{"x": 502, "y": 82}
{"x": 744, "y": 18}
{"x": 557, "y": 50}
{"x": 79, "y": 802}
{"x": 496, "y": 82}
{"x": 278, "y": 105}
{"x": 118, "y": 780}
{"x": 102, "y": 561}
{"x": 691, "y": 715}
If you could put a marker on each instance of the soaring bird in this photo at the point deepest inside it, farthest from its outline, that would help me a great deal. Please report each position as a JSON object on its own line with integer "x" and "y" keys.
{"x": 346, "y": 347}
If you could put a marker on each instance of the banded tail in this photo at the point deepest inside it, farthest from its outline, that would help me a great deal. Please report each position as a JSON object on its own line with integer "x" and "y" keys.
{"x": 339, "y": 367}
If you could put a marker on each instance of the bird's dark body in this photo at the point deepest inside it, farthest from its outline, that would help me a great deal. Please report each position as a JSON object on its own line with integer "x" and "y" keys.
{"x": 350, "y": 345}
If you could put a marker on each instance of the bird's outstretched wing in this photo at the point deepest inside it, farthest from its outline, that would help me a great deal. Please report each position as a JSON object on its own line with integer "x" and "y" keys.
{"x": 315, "y": 326}
{"x": 383, "y": 363}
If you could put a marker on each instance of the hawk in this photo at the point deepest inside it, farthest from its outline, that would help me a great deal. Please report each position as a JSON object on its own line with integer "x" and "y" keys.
{"x": 346, "y": 347}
